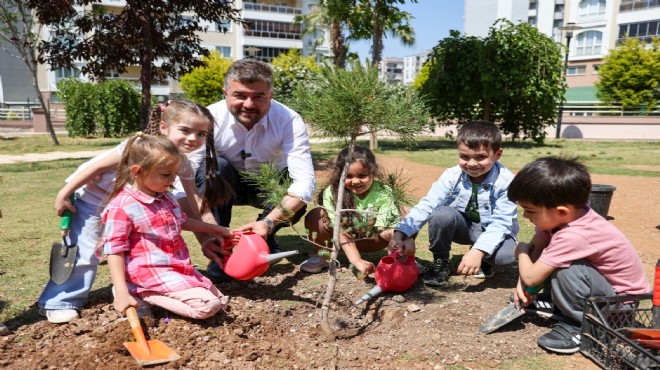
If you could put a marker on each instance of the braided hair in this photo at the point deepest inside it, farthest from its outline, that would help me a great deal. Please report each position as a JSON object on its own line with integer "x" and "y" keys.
{"x": 216, "y": 190}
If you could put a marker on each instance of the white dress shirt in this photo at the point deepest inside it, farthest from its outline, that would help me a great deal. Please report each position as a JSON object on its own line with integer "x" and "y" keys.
{"x": 279, "y": 138}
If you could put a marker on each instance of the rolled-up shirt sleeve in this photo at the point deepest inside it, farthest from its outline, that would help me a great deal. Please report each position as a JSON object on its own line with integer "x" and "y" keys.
{"x": 299, "y": 161}
{"x": 116, "y": 230}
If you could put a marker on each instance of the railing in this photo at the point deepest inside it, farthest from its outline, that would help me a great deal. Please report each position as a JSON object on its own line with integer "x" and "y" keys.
{"x": 25, "y": 114}
{"x": 272, "y": 8}
{"x": 638, "y": 5}
{"x": 608, "y": 110}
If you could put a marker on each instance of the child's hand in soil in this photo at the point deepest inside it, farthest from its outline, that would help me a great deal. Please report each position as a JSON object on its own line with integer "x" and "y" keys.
{"x": 471, "y": 262}
{"x": 365, "y": 267}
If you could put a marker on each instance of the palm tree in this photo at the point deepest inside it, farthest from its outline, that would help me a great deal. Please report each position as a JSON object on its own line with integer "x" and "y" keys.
{"x": 330, "y": 15}
{"x": 376, "y": 18}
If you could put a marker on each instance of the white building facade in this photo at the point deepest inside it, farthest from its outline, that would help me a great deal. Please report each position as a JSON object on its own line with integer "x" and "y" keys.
{"x": 601, "y": 25}
{"x": 269, "y": 32}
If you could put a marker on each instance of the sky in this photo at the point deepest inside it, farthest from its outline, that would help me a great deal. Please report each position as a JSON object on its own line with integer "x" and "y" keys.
{"x": 432, "y": 21}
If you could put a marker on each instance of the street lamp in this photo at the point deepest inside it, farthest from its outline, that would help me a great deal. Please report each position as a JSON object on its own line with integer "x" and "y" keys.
{"x": 252, "y": 51}
{"x": 569, "y": 28}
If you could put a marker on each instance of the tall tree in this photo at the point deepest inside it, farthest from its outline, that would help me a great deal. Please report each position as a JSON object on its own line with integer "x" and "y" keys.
{"x": 512, "y": 77}
{"x": 141, "y": 33}
{"x": 630, "y": 75}
{"x": 333, "y": 16}
{"x": 19, "y": 37}
{"x": 376, "y": 19}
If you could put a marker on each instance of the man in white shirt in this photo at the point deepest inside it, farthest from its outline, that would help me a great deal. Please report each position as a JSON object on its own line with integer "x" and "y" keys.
{"x": 253, "y": 129}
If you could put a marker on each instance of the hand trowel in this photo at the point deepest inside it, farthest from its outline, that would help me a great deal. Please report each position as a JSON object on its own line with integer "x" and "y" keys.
{"x": 63, "y": 255}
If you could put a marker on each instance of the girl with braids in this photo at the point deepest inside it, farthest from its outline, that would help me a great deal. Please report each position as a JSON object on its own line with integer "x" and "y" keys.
{"x": 147, "y": 255}
{"x": 188, "y": 126}
{"x": 369, "y": 226}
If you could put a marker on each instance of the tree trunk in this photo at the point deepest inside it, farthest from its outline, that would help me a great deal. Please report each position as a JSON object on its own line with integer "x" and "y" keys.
{"x": 376, "y": 57}
{"x": 337, "y": 44}
{"x": 486, "y": 113}
{"x": 146, "y": 72}
{"x": 32, "y": 66}
{"x": 332, "y": 269}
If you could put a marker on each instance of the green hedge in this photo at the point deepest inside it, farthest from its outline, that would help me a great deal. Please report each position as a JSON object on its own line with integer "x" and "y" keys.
{"x": 106, "y": 109}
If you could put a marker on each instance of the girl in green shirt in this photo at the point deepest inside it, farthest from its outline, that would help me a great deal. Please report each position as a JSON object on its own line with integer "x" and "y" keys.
{"x": 367, "y": 226}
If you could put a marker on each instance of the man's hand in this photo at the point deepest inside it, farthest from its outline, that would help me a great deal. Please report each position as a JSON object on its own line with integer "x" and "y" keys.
{"x": 471, "y": 262}
{"x": 257, "y": 227}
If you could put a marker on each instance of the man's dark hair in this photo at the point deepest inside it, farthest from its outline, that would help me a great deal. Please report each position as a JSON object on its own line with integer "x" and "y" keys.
{"x": 552, "y": 181}
{"x": 247, "y": 71}
{"x": 477, "y": 134}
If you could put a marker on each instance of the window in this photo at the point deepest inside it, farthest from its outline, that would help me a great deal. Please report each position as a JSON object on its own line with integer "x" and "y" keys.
{"x": 532, "y": 21}
{"x": 576, "y": 70}
{"x": 595, "y": 69}
{"x": 589, "y": 43}
{"x": 265, "y": 54}
{"x": 112, "y": 74}
{"x": 225, "y": 51}
{"x": 532, "y": 5}
{"x": 224, "y": 26}
{"x": 62, "y": 73}
{"x": 591, "y": 10}
{"x": 644, "y": 31}
{"x": 272, "y": 29}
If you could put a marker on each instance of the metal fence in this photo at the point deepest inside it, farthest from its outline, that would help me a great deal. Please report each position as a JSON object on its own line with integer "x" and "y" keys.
{"x": 592, "y": 109}
{"x": 25, "y": 114}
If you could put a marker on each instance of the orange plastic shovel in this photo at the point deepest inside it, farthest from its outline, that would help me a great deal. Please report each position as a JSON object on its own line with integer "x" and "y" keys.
{"x": 146, "y": 352}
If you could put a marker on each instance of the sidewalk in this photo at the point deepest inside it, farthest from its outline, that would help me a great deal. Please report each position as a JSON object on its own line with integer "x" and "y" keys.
{"x": 50, "y": 156}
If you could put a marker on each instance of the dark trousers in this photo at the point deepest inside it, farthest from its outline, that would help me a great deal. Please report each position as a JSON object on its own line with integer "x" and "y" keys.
{"x": 447, "y": 225}
{"x": 246, "y": 194}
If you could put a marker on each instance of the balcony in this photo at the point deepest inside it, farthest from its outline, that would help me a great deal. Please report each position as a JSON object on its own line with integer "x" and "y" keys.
{"x": 272, "y": 8}
{"x": 631, "y": 6}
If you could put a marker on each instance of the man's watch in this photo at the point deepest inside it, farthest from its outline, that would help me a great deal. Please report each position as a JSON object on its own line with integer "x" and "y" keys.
{"x": 270, "y": 223}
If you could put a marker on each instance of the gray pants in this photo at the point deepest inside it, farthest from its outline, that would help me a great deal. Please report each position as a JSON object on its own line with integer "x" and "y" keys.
{"x": 447, "y": 225}
{"x": 571, "y": 286}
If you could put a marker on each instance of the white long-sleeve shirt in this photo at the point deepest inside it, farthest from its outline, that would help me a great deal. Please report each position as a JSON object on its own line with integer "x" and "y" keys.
{"x": 279, "y": 138}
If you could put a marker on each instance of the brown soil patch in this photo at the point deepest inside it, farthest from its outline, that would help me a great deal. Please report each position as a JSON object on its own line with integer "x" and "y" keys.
{"x": 273, "y": 320}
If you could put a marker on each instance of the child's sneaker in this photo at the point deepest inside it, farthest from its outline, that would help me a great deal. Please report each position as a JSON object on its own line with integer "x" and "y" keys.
{"x": 438, "y": 273}
{"x": 564, "y": 338}
{"x": 59, "y": 316}
{"x": 4, "y": 330}
{"x": 314, "y": 264}
{"x": 486, "y": 271}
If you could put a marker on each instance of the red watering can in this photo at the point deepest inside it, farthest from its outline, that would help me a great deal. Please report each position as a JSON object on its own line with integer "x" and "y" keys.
{"x": 251, "y": 257}
{"x": 392, "y": 275}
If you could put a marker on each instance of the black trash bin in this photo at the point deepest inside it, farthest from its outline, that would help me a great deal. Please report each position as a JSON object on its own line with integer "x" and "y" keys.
{"x": 600, "y": 198}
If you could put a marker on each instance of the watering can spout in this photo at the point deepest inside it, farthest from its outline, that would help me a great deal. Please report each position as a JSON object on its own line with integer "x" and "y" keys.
{"x": 275, "y": 257}
{"x": 370, "y": 294}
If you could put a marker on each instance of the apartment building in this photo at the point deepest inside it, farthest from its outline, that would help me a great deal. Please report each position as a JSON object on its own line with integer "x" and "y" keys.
{"x": 412, "y": 64}
{"x": 391, "y": 70}
{"x": 270, "y": 30}
{"x": 598, "y": 26}
{"x": 402, "y": 70}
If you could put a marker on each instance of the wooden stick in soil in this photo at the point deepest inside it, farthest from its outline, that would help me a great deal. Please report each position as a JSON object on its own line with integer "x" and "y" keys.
{"x": 332, "y": 269}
